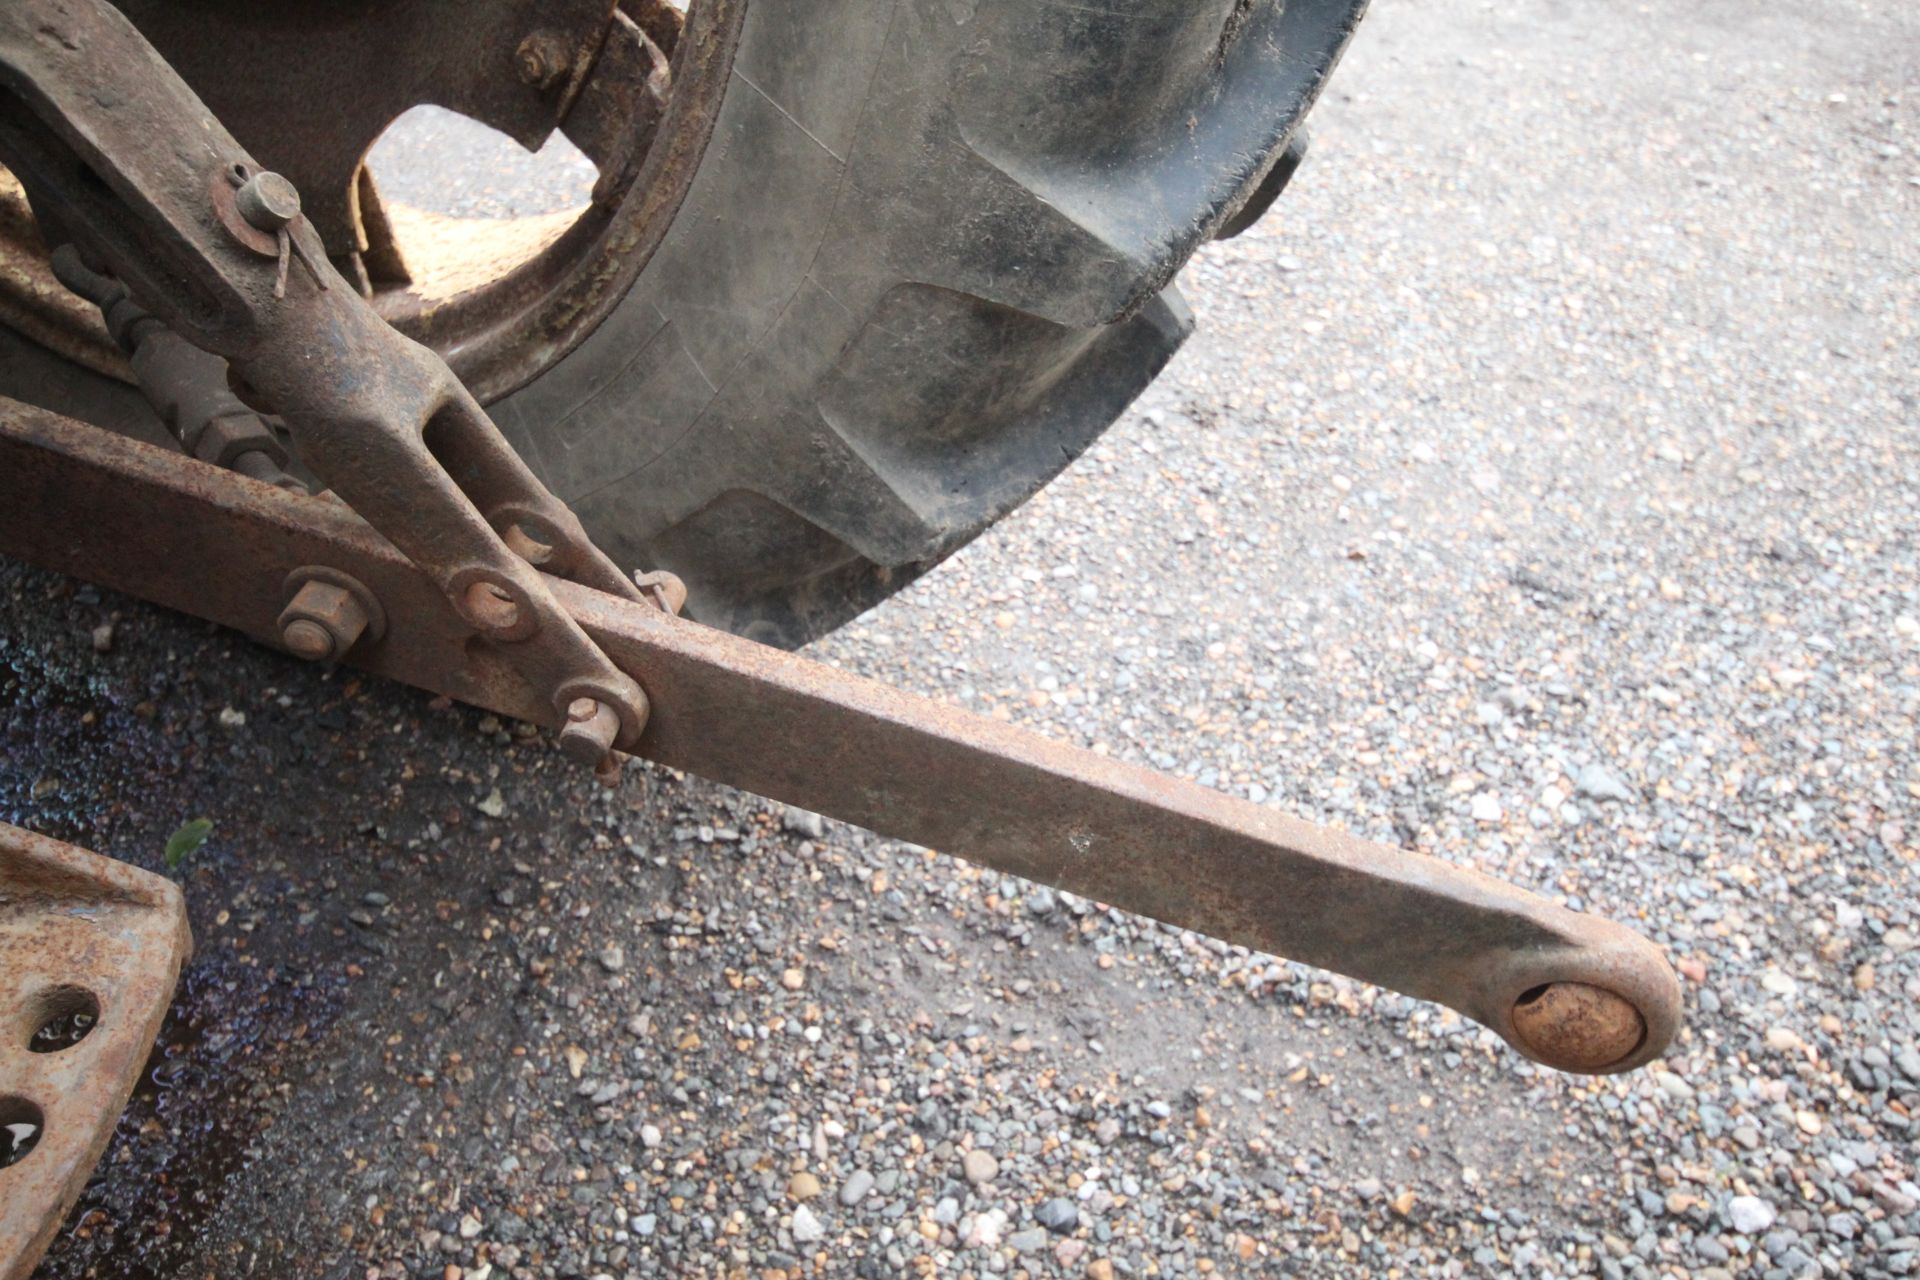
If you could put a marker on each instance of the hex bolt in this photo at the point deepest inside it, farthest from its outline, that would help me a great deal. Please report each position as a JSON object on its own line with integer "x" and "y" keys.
{"x": 267, "y": 201}
{"x": 590, "y": 730}
{"x": 323, "y": 622}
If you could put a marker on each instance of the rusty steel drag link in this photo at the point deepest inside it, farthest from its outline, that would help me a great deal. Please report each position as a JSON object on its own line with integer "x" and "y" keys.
{"x": 122, "y": 157}
{"x": 1573, "y": 991}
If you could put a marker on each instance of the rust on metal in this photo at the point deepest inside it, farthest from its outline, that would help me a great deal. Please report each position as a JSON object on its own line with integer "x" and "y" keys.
{"x": 90, "y": 950}
{"x": 183, "y": 218}
{"x": 328, "y": 614}
{"x": 312, "y": 95}
{"x": 613, "y": 119}
{"x": 807, "y": 734}
{"x": 1578, "y": 1026}
{"x": 325, "y": 91}
{"x": 660, "y": 19}
{"x": 663, "y": 588}
{"x": 33, "y": 302}
{"x": 186, "y": 386}
{"x": 267, "y": 201}
{"x": 588, "y": 734}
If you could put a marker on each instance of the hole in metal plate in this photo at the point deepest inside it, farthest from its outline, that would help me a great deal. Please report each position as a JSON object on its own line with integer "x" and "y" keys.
{"x": 21, "y": 1124}
{"x": 63, "y": 1018}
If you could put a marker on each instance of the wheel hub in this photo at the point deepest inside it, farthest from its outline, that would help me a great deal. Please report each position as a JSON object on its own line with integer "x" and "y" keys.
{"x": 309, "y": 86}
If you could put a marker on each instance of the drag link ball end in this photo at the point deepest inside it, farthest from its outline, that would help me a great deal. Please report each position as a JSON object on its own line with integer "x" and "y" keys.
{"x": 1574, "y": 1026}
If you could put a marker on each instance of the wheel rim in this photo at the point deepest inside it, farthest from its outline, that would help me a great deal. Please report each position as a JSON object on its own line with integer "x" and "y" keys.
{"x": 309, "y": 86}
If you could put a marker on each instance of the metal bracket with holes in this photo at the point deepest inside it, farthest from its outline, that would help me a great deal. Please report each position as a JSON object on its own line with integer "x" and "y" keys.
{"x": 201, "y": 237}
{"x": 90, "y": 951}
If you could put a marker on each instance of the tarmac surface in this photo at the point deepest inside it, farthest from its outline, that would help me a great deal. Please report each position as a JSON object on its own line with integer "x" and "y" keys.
{"x": 1540, "y": 492}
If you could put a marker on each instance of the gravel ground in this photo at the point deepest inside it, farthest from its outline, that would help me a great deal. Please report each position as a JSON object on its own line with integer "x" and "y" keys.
{"x": 1541, "y": 493}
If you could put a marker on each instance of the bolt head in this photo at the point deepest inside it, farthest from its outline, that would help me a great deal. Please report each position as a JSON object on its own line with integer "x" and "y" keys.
{"x": 581, "y": 709}
{"x": 539, "y": 60}
{"x": 267, "y": 201}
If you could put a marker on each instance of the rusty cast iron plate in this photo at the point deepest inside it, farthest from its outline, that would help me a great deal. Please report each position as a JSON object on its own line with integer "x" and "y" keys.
{"x": 90, "y": 950}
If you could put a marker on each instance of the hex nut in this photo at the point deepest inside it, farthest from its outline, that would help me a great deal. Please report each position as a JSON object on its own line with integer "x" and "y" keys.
{"x": 323, "y": 621}
{"x": 231, "y": 434}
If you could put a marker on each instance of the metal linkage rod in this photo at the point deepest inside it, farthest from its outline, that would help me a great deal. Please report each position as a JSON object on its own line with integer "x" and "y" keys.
{"x": 1571, "y": 990}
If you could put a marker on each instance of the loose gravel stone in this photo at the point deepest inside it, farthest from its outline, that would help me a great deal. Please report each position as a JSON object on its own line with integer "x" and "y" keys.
{"x": 807, "y": 1229}
{"x": 1029, "y": 1241}
{"x": 1058, "y": 1215}
{"x": 979, "y": 1166}
{"x": 1597, "y": 783}
{"x": 1749, "y": 1215}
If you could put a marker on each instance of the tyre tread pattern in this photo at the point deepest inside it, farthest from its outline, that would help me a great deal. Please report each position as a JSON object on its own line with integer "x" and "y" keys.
{"x": 926, "y": 262}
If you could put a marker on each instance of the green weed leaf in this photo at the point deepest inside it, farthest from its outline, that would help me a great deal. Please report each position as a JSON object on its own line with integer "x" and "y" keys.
{"x": 185, "y": 842}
